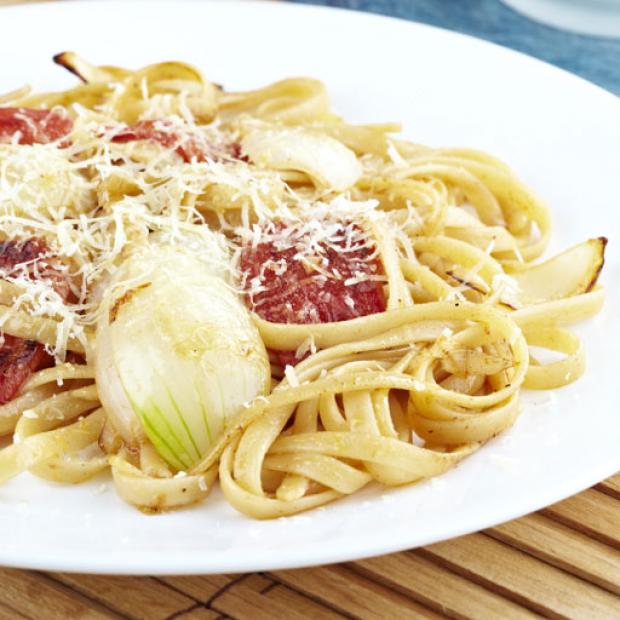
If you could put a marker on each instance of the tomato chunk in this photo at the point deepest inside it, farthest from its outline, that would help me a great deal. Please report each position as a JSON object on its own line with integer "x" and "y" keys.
{"x": 187, "y": 144}
{"x": 19, "y": 357}
{"x": 31, "y": 256}
{"x": 33, "y": 126}
{"x": 291, "y": 276}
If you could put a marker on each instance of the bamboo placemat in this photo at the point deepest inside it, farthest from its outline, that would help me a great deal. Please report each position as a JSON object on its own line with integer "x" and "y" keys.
{"x": 561, "y": 562}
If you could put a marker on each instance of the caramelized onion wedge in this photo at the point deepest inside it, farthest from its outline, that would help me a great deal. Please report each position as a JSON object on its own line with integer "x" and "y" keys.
{"x": 87, "y": 72}
{"x": 176, "y": 352}
{"x": 570, "y": 273}
{"x": 324, "y": 159}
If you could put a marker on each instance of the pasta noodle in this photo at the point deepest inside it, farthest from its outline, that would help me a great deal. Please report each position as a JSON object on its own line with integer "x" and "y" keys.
{"x": 395, "y": 286}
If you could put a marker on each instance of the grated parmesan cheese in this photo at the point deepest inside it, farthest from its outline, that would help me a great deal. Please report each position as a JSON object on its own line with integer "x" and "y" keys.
{"x": 307, "y": 346}
{"x": 291, "y": 376}
{"x": 506, "y": 289}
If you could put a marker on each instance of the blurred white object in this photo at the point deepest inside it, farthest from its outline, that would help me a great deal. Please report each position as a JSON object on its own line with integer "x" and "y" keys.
{"x": 599, "y": 17}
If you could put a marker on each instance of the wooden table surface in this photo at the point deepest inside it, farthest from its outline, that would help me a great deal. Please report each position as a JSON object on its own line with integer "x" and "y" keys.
{"x": 562, "y": 562}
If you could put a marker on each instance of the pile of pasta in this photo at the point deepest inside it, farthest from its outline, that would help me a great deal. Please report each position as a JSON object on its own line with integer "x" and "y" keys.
{"x": 395, "y": 396}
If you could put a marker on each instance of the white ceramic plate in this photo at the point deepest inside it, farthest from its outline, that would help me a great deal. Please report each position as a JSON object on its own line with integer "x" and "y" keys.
{"x": 560, "y": 133}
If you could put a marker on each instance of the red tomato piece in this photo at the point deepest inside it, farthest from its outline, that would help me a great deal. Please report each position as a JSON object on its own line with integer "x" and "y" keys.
{"x": 32, "y": 256}
{"x": 15, "y": 253}
{"x": 187, "y": 144}
{"x": 291, "y": 279}
{"x": 19, "y": 357}
{"x": 33, "y": 126}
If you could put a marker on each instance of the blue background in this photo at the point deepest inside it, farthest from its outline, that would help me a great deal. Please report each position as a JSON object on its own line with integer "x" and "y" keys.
{"x": 594, "y": 58}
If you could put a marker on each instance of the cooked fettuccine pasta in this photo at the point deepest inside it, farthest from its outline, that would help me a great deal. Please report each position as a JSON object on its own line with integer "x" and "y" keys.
{"x": 199, "y": 284}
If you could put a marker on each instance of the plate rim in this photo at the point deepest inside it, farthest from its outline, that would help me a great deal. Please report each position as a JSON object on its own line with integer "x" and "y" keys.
{"x": 185, "y": 563}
